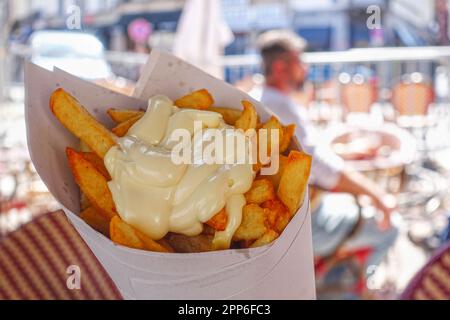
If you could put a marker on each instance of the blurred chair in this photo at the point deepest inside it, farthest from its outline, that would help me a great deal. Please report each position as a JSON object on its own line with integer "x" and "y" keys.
{"x": 343, "y": 275}
{"x": 411, "y": 99}
{"x": 432, "y": 282}
{"x": 412, "y": 96}
{"x": 342, "y": 270}
{"x": 346, "y": 244}
{"x": 358, "y": 95}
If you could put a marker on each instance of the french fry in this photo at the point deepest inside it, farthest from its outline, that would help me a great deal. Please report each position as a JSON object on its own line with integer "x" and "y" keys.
{"x": 122, "y": 115}
{"x": 288, "y": 133}
{"x": 248, "y": 118}
{"x": 257, "y": 166}
{"x": 81, "y": 123}
{"x": 219, "y": 221}
{"x": 84, "y": 147}
{"x": 98, "y": 163}
{"x": 84, "y": 201}
{"x": 260, "y": 191}
{"x": 273, "y": 124}
{"x": 95, "y": 220}
{"x": 294, "y": 180}
{"x": 230, "y": 115}
{"x": 275, "y": 178}
{"x": 253, "y": 224}
{"x": 152, "y": 245}
{"x": 184, "y": 244}
{"x": 200, "y": 99}
{"x": 277, "y": 214}
{"x": 267, "y": 238}
{"x": 125, "y": 235}
{"x": 122, "y": 129}
{"x": 92, "y": 183}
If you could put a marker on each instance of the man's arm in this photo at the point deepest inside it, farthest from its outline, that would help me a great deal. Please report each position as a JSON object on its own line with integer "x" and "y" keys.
{"x": 358, "y": 184}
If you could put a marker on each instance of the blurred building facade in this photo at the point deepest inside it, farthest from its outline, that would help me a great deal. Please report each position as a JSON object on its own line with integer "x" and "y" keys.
{"x": 326, "y": 24}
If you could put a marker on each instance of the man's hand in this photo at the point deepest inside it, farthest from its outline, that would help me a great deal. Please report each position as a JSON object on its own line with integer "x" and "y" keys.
{"x": 387, "y": 204}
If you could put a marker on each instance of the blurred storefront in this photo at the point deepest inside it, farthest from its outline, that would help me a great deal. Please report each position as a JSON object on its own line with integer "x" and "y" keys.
{"x": 326, "y": 24}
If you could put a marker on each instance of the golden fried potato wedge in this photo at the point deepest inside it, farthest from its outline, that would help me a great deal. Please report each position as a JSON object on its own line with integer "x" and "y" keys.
{"x": 200, "y": 99}
{"x": 219, "y": 221}
{"x": 125, "y": 235}
{"x": 230, "y": 115}
{"x": 267, "y": 238}
{"x": 84, "y": 201}
{"x": 184, "y": 244}
{"x": 294, "y": 181}
{"x": 253, "y": 224}
{"x": 257, "y": 166}
{"x": 273, "y": 124}
{"x": 122, "y": 129}
{"x": 97, "y": 221}
{"x": 84, "y": 147}
{"x": 277, "y": 214}
{"x": 262, "y": 190}
{"x": 98, "y": 163}
{"x": 275, "y": 178}
{"x": 122, "y": 115}
{"x": 152, "y": 245}
{"x": 92, "y": 183}
{"x": 248, "y": 118}
{"x": 285, "y": 141}
{"x": 268, "y": 127}
{"x": 271, "y": 217}
{"x": 81, "y": 123}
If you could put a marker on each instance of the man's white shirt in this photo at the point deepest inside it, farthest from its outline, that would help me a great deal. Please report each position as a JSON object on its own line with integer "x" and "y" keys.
{"x": 326, "y": 165}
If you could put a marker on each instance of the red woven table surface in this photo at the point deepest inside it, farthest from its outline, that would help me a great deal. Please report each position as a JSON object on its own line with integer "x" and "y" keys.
{"x": 41, "y": 259}
{"x": 432, "y": 282}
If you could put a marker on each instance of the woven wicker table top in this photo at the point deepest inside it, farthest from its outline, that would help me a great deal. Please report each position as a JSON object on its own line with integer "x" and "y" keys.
{"x": 47, "y": 259}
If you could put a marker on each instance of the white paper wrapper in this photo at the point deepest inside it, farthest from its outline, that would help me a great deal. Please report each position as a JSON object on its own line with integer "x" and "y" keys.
{"x": 282, "y": 270}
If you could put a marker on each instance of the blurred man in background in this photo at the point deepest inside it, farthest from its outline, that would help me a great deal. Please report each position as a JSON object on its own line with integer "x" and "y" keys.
{"x": 335, "y": 217}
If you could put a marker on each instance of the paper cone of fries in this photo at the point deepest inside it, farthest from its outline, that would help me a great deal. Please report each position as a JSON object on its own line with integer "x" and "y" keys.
{"x": 280, "y": 270}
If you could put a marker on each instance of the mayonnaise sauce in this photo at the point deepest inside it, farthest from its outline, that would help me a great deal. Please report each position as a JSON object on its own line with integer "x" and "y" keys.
{"x": 156, "y": 195}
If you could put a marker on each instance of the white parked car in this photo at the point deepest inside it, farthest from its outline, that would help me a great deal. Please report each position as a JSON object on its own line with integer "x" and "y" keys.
{"x": 80, "y": 54}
